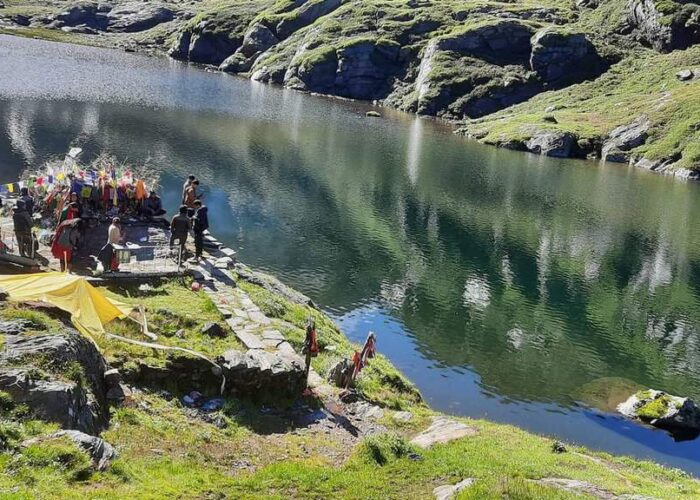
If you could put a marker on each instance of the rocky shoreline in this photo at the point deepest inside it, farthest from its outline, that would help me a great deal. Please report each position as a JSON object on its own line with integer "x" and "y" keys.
{"x": 493, "y": 69}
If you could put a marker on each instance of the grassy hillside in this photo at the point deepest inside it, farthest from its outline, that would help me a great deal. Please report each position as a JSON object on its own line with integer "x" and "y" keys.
{"x": 251, "y": 450}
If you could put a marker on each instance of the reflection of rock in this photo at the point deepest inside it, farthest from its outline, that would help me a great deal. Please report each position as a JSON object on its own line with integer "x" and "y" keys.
{"x": 606, "y": 393}
{"x": 662, "y": 410}
{"x": 516, "y": 337}
{"x": 476, "y": 293}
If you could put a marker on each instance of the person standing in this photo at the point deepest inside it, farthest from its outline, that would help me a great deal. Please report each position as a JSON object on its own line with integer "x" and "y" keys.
{"x": 186, "y": 185}
{"x": 23, "y": 229}
{"x": 179, "y": 229}
{"x": 191, "y": 196}
{"x": 28, "y": 201}
{"x": 200, "y": 223}
{"x": 114, "y": 237}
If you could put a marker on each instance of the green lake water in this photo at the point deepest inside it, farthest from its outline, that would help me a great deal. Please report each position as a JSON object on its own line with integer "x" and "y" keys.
{"x": 505, "y": 285}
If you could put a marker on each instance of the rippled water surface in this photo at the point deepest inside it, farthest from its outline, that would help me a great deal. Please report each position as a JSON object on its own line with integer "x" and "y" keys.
{"x": 506, "y": 286}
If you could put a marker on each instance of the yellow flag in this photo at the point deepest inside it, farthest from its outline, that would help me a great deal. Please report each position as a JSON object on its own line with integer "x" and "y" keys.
{"x": 11, "y": 188}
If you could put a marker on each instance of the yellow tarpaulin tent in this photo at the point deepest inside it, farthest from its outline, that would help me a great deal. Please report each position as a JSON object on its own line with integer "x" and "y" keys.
{"x": 90, "y": 310}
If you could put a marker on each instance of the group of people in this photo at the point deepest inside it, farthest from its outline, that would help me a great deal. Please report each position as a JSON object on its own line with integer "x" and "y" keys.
{"x": 193, "y": 214}
{"x": 70, "y": 203}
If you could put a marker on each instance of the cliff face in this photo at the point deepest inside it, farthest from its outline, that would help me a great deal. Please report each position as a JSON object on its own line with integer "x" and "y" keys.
{"x": 536, "y": 76}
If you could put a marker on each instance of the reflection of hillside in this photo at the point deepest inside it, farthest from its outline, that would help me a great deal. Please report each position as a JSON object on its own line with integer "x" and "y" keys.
{"x": 538, "y": 275}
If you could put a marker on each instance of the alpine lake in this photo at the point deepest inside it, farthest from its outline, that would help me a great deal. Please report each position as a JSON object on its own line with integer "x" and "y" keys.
{"x": 506, "y": 286}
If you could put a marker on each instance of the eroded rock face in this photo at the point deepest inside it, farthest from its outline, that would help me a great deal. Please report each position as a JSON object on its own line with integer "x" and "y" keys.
{"x": 668, "y": 32}
{"x": 621, "y": 140}
{"x": 361, "y": 70}
{"x": 554, "y": 144}
{"x": 203, "y": 44}
{"x": 257, "y": 40}
{"x": 506, "y": 42}
{"x": 562, "y": 58}
{"x": 31, "y": 372}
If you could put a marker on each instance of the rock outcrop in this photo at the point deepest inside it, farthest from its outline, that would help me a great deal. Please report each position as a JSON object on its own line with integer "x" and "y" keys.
{"x": 555, "y": 144}
{"x": 362, "y": 69}
{"x": 307, "y": 14}
{"x": 257, "y": 40}
{"x": 617, "y": 146}
{"x": 137, "y": 16}
{"x": 124, "y": 18}
{"x": 204, "y": 44}
{"x": 561, "y": 58}
{"x": 665, "y": 29}
{"x": 58, "y": 375}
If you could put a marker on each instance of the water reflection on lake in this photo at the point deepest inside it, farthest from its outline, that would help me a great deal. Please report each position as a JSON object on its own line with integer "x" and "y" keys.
{"x": 505, "y": 285}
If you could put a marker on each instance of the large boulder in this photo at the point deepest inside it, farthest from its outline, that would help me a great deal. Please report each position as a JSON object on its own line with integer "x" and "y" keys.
{"x": 667, "y": 26}
{"x": 257, "y": 40}
{"x": 662, "y": 410}
{"x": 58, "y": 375}
{"x": 624, "y": 138}
{"x": 137, "y": 16}
{"x": 562, "y": 58}
{"x": 555, "y": 144}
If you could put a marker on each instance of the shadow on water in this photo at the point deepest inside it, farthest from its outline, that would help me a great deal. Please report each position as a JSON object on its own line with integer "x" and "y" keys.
{"x": 501, "y": 283}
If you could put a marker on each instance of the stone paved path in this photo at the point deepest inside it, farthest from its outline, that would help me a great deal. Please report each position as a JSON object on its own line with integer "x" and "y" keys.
{"x": 252, "y": 327}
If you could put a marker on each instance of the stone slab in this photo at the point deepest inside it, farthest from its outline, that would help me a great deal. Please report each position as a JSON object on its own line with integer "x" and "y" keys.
{"x": 448, "y": 491}
{"x": 273, "y": 335}
{"x": 442, "y": 430}
{"x": 250, "y": 340}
